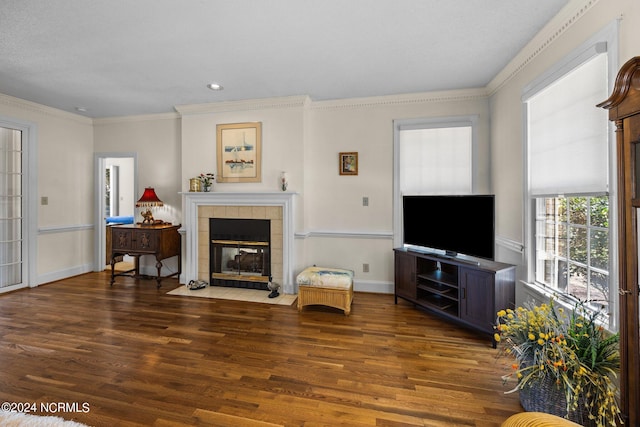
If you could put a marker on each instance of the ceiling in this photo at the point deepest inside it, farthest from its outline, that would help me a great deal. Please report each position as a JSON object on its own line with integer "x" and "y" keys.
{"x": 123, "y": 57}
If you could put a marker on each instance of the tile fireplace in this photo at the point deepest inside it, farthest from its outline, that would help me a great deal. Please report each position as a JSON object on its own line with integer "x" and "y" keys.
{"x": 276, "y": 208}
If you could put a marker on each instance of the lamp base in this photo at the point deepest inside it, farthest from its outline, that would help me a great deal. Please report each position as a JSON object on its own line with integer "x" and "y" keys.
{"x": 148, "y": 217}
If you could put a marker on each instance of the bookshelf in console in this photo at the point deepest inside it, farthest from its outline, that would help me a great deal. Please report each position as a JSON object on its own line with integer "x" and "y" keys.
{"x": 467, "y": 292}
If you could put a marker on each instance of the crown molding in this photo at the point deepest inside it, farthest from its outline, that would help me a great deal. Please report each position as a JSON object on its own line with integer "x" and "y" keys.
{"x": 138, "y": 118}
{"x": 403, "y": 99}
{"x": 564, "y": 20}
{"x": 244, "y": 105}
{"x": 22, "y": 104}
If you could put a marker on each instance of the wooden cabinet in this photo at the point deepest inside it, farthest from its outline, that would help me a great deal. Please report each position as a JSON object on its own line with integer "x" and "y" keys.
{"x": 467, "y": 293}
{"x": 624, "y": 111}
{"x": 405, "y": 268}
{"x": 161, "y": 241}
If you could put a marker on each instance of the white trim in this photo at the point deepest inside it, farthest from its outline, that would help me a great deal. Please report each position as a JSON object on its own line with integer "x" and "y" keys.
{"x": 138, "y": 118}
{"x": 457, "y": 95}
{"x": 64, "y": 228}
{"x": 373, "y": 286}
{"x": 385, "y": 235}
{"x": 510, "y": 244}
{"x": 53, "y": 276}
{"x": 192, "y": 201}
{"x": 244, "y": 105}
{"x": 12, "y": 288}
{"x": 25, "y": 105}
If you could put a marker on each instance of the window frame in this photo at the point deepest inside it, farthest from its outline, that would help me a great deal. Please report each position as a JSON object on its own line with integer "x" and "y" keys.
{"x": 604, "y": 42}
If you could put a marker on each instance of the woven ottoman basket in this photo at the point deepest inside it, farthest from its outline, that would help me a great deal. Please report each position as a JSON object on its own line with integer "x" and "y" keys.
{"x": 331, "y": 287}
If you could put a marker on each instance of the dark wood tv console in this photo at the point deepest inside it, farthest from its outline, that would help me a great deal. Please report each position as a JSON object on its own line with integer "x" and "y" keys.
{"x": 470, "y": 293}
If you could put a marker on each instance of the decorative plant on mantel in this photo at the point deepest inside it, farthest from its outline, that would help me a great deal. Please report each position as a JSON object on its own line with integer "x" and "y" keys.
{"x": 569, "y": 355}
{"x": 206, "y": 179}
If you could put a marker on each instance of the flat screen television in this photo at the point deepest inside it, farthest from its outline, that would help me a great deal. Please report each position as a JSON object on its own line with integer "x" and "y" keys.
{"x": 457, "y": 225}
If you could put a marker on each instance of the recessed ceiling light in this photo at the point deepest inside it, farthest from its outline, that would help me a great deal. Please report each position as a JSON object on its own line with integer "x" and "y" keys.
{"x": 215, "y": 86}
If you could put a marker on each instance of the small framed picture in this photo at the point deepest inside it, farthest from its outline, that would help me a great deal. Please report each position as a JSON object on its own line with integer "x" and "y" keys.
{"x": 349, "y": 163}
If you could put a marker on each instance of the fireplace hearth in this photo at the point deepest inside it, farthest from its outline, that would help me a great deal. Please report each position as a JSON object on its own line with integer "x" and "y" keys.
{"x": 240, "y": 252}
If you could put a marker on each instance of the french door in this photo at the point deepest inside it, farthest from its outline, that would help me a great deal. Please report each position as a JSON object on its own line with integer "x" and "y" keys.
{"x": 11, "y": 209}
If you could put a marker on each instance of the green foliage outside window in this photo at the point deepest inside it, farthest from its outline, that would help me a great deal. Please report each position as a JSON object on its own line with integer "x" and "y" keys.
{"x": 577, "y": 237}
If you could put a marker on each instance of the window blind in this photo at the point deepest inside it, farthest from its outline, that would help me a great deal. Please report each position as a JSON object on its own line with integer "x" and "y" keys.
{"x": 436, "y": 160}
{"x": 567, "y": 133}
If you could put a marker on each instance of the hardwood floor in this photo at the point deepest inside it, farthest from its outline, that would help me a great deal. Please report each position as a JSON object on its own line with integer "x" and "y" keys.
{"x": 135, "y": 356}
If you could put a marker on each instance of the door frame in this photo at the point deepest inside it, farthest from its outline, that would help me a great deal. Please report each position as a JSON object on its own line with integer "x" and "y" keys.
{"x": 99, "y": 204}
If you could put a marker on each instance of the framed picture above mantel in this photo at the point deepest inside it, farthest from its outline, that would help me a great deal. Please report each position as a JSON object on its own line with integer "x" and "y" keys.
{"x": 239, "y": 152}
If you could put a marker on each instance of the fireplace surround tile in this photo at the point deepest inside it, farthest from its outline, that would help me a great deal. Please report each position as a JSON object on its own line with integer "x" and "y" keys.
{"x": 278, "y": 207}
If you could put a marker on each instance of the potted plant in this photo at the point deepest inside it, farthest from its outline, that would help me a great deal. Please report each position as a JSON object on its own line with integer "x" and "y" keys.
{"x": 565, "y": 364}
{"x": 206, "y": 179}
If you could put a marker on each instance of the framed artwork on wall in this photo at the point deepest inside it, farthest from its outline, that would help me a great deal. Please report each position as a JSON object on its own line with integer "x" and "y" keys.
{"x": 348, "y": 163}
{"x": 239, "y": 148}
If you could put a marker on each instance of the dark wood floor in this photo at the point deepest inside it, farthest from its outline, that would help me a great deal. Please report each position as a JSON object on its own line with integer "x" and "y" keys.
{"x": 133, "y": 356}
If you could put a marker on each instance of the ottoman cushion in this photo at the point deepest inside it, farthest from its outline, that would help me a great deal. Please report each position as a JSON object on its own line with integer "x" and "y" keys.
{"x": 326, "y": 277}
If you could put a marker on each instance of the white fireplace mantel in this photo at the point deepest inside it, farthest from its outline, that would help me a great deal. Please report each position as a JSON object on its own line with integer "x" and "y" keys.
{"x": 191, "y": 201}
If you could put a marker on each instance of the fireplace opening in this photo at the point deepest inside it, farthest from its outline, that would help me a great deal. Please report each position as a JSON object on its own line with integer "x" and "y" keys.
{"x": 239, "y": 252}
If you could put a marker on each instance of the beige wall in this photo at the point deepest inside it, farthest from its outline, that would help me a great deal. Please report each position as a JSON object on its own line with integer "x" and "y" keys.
{"x": 64, "y": 159}
{"x": 156, "y": 141}
{"x": 567, "y": 32}
{"x": 304, "y": 138}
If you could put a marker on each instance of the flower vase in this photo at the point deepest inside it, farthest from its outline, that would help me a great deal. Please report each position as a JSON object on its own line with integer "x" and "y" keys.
{"x": 206, "y": 188}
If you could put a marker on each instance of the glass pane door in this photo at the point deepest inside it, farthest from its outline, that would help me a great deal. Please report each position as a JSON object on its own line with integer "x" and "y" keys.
{"x": 11, "y": 212}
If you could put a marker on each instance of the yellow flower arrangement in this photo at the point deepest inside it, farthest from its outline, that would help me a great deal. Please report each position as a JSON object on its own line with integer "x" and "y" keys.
{"x": 573, "y": 352}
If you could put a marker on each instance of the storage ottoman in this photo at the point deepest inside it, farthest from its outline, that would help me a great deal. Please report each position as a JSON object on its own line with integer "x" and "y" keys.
{"x": 332, "y": 287}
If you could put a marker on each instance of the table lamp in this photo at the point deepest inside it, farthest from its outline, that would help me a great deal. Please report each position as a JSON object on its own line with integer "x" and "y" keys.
{"x": 148, "y": 200}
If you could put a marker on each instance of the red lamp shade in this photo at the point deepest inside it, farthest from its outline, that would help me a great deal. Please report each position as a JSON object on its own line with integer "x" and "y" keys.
{"x": 149, "y": 199}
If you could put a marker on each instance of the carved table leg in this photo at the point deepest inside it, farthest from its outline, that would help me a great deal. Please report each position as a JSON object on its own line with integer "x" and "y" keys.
{"x": 159, "y": 267}
{"x": 113, "y": 268}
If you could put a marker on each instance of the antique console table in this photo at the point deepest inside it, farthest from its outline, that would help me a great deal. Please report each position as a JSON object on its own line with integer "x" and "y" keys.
{"x": 161, "y": 241}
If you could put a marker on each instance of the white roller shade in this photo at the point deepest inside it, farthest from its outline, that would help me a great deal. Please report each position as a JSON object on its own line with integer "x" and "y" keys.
{"x": 567, "y": 133}
{"x": 436, "y": 160}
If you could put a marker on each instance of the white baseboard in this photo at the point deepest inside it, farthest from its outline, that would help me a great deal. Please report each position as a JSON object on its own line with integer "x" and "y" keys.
{"x": 373, "y": 286}
{"x": 63, "y": 274}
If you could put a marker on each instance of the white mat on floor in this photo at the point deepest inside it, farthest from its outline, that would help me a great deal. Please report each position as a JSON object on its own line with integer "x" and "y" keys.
{"x": 236, "y": 294}
{"x": 17, "y": 419}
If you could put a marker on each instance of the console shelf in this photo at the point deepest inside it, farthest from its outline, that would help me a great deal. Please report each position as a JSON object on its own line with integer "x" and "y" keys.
{"x": 467, "y": 293}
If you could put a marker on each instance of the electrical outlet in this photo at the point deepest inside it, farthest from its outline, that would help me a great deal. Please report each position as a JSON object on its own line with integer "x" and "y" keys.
{"x": 44, "y": 200}
{"x": 365, "y": 201}
{"x": 365, "y": 268}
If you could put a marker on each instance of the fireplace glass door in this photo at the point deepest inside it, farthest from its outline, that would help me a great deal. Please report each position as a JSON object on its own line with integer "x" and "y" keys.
{"x": 239, "y": 253}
